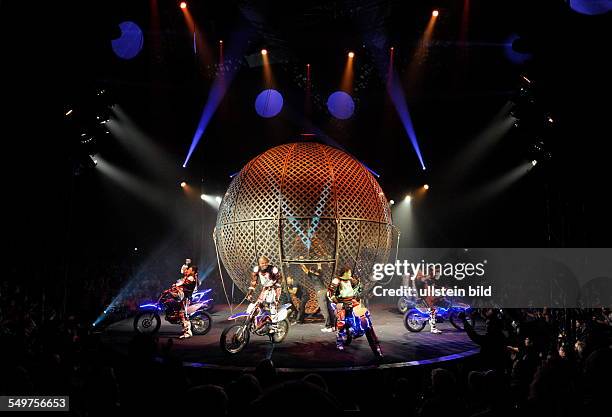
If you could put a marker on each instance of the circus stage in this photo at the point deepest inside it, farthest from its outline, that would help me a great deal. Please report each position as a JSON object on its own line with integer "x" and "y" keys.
{"x": 307, "y": 349}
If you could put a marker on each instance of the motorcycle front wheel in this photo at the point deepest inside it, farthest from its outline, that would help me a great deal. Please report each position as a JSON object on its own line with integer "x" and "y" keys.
{"x": 413, "y": 321}
{"x": 147, "y": 322}
{"x": 282, "y": 329}
{"x": 234, "y": 338}
{"x": 201, "y": 322}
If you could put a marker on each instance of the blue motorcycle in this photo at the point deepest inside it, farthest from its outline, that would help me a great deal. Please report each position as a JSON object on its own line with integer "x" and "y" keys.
{"x": 358, "y": 322}
{"x": 148, "y": 320}
{"x": 417, "y": 316}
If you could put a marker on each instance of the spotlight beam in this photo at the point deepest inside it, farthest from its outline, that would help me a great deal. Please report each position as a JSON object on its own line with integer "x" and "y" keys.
{"x": 216, "y": 93}
{"x": 399, "y": 101}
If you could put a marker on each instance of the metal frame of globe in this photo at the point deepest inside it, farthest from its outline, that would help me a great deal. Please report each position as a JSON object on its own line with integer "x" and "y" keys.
{"x": 304, "y": 203}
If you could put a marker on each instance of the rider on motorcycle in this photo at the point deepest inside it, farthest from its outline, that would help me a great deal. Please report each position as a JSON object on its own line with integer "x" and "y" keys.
{"x": 182, "y": 291}
{"x": 270, "y": 279}
{"x": 344, "y": 291}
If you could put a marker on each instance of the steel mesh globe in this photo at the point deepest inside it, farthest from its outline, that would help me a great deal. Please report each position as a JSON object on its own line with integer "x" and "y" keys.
{"x": 304, "y": 203}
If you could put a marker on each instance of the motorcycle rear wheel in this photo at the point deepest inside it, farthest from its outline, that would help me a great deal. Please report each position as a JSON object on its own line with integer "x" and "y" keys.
{"x": 281, "y": 332}
{"x": 234, "y": 338}
{"x": 402, "y": 305}
{"x": 201, "y": 322}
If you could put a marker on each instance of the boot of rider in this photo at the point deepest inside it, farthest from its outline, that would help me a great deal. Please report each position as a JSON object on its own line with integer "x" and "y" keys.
{"x": 432, "y": 322}
{"x": 373, "y": 340}
{"x": 340, "y": 340}
{"x": 186, "y": 330}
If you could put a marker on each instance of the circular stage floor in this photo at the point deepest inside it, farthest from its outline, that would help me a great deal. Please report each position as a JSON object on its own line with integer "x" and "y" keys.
{"x": 307, "y": 349}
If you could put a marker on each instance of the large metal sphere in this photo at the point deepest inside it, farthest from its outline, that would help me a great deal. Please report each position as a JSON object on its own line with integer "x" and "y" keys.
{"x": 304, "y": 203}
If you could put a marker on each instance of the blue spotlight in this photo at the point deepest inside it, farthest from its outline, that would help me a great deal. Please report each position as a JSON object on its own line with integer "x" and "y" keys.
{"x": 341, "y": 105}
{"x": 591, "y": 7}
{"x": 218, "y": 89}
{"x": 129, "y": 43}
{"x": 269, "y": 103}
{"x": 399, "y": 101}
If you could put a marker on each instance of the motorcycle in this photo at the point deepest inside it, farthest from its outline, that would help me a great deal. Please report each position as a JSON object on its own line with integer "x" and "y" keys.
{"x": 257, "y": 320}
{"x": 148, "y": 320}
{"x": 204, "y": 297}
{"x": 417, "y": 316}
{"x": 358, "y": 322}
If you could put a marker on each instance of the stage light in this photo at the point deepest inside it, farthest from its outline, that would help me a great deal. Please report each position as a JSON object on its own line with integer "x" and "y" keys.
{"x": 221, "y": 41}
{"x": 68, "y": 113}
{"x": 391, "y": 202}
{"x": 550, "y": 119}
{"x": 183, "y": 5}
{"x": 351, "y": 54}
{"x": 341, "y": 105}
{"x": 218, "y": 199}
{"x": 130, "y": 42}
{"x": 426, "y": 186}
{"x": 203, "y": 196}
{"x": 408, "y": 198}
{"x": 135, "y": 249}
{"x": 534, "y": 162}
{"x": 264, "y": 52}
{"x": 435, "y": 13}
{"x": 183, "y": 184}
{"x": 269, "y": 103}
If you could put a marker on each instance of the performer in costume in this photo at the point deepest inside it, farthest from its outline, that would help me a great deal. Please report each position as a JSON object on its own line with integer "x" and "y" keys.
{"x": 344, "y": 291}
{"x": 270, "y": 279}
{"x": 182, "y": 291}
{"x": 423, "y": 281}
{"x": 314, "y": 275}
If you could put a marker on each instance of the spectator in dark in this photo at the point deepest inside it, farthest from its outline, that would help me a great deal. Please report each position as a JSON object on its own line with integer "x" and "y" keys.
{"x": 212, "y": 399}
{"x": 317, "y": 380}
{"x": 241, "y": 393}
{"x": 443, "y": 399}
{"x": 492, "y": 343}
{"x": 265, "y": 371}
{"x": 307, "y": 397}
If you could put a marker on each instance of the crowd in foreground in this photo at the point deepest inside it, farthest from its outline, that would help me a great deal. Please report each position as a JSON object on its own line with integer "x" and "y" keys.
{"x": 532, "y": 362}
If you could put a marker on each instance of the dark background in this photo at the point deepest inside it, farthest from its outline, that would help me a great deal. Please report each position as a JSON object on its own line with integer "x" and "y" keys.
{"x": 56, "y": 55}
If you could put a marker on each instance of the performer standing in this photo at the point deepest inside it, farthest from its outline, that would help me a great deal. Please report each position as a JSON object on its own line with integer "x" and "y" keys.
{"x": 184, "y": 288}
{"x": 270, "y": 279}
{"x": 314, "y": 275}
{"x": 301, "y": 294}
{"x": 423, "y": 281}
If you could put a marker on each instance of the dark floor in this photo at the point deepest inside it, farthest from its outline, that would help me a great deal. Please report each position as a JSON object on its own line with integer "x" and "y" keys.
{"x": 306, "y": 347}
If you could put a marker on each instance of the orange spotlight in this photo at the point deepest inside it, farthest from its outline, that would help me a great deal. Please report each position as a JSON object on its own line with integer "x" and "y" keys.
{"x": 264, "y": 52}
{"x": 183, "y": 184}
{"x": 351, "y": 54}
{"x": 183, "y": 5}
{"x": 435, "y": 13}
{"x": 426, "y": 186}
